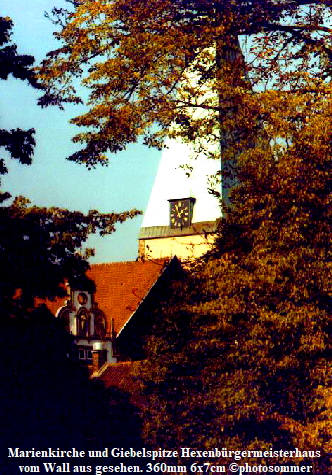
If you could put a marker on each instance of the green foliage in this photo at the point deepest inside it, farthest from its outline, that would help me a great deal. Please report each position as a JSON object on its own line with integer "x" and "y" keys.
{"x": 241, "y": 356}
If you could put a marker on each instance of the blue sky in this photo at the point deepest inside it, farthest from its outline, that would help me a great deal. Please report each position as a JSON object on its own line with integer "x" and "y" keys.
{"x": 52, "y": 180}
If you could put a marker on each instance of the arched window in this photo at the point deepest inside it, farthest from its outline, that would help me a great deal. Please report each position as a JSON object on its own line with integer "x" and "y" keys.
{"x": 83, "y": 324}
{"x": 64, "y": 315}
{"x": 99, "y": 324}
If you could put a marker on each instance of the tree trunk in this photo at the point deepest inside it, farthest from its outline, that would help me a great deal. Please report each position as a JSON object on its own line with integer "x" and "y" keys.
{"x": 230, "y": 74}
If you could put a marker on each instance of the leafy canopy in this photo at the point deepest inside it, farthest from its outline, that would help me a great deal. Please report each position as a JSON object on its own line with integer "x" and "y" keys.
{"x": 40, "y": 246}
{"x": 241, "y": 354}
{"x": 17, "y": 142}
{"x": 151, "y": 64}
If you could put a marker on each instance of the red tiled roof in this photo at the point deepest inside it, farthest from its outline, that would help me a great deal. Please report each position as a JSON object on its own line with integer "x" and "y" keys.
{"x": 122, "y": 376}
{"x": 121, "y": 287}
{"x": 119, "y": 375}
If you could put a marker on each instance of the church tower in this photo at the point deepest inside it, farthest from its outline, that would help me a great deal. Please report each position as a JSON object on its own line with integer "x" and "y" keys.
{"x": 180, "y": 219}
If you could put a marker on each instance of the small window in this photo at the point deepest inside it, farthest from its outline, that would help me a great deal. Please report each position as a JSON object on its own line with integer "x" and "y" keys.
{"x": 99, "y": 324}
{"x": 81, "y": 354}
{"x": 88, "y": 354}
{"x": 74, "y": 353}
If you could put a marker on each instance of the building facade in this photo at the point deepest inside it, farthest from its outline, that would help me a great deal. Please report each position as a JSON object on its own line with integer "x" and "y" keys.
{"x": 110, "y": 316}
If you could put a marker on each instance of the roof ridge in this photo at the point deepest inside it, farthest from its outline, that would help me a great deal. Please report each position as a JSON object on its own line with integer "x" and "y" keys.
{"x": 110, "y": 262}
{"x": 142, "y": 261}
{"x": 100, "y": 371}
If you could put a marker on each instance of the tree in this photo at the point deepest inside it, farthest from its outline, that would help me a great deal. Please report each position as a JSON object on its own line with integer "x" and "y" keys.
{"x": 17, "y": 142}
{"x": 241, "y": 356}
{"x": 38, "y": 246}
{"x": 164, "y": 62}
{"x": 47, "y": 400}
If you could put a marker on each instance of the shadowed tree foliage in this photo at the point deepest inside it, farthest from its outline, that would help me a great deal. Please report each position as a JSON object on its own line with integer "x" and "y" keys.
{"x": 39, "y": 247}
{"x": 12, "y": 63}
{"x": 46, "y": 398}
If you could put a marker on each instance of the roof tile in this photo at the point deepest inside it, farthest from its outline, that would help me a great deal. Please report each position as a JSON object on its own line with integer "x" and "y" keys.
{"x": 121, "y": 287}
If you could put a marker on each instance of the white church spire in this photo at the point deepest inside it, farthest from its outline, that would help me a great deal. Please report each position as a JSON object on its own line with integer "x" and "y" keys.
{"x": 174, "y": 181}
{"x": 181, "y": 213}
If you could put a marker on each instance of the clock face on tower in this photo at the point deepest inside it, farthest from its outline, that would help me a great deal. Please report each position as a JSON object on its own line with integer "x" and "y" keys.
{"x": 181, "y": 212}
